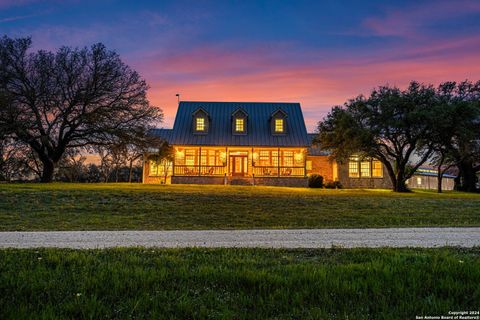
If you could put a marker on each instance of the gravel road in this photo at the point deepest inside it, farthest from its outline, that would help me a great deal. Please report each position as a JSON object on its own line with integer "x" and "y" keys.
{"x": 295, "y": 238}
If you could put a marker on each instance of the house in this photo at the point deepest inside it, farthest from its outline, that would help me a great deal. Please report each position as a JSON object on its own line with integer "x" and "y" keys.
{"x": 234, "y": 143}
{"x": 251, "y": 143}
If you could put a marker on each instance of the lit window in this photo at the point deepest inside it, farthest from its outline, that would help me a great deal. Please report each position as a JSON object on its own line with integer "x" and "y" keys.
{"x": 419, "y": 180}
{"x": 288, "y": 158}
{"x": 365, "y": 168}
{"x": 353, "y": 168}
{"x": 200, "y": 124}
{"x": 190, "y": 155}
{"x": 278, "y": 125}
{"x": 239, "y": 124}
{"x": 309, "y": 165}
{"x": 153, "y": 168}
{"x": 377, "y": 169}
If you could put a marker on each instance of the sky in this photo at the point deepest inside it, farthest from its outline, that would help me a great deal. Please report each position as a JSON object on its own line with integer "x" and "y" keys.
{"x": 318, "y": 53}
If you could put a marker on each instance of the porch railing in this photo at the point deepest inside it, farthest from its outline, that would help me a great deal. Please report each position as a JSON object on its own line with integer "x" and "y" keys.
{"x": 272, "y": 171}
{"x": 258, "y": 171}
{"x": 185, "y": 170}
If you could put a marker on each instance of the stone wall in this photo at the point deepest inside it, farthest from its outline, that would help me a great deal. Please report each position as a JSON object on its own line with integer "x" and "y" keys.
{"x": 262, "y": 181}
{"x": 282, "y": 181}
{"x": 321, "y": 165}
{"x": 198, "y": 180}
{"x": 367, "y": 183}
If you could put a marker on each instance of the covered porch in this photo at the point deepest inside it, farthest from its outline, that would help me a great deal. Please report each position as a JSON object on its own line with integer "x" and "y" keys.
{"x": 239, "y": 162}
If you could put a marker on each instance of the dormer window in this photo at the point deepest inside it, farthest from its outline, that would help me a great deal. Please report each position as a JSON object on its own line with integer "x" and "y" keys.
{"x": 201, "y": 122}
{"x": 239, "y": 125}
{"x": 239, "y": 122}
{"x": 279, "y": 125}
{"x": 278, "y": 121}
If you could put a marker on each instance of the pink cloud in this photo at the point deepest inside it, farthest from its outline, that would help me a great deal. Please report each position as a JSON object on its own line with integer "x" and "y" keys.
{"x": 406, "y": 22}
{"x": 259, "y": 75}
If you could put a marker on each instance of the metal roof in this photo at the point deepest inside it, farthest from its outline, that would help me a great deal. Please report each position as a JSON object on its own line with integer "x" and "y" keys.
{"x": 220, "y": 126}
{"x": 315, "y": 150}
{"x": 165, "y": 134}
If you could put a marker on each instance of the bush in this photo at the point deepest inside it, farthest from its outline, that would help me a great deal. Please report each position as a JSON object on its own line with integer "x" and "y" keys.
{"x": 333, "y": 185}
{"x": 315, "y": 181}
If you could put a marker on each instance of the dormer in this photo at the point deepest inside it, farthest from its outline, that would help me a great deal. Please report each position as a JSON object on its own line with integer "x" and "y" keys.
{"x": 278, "y": 122}
{"x": 200, "y": 121}
{"x": 239, "y": 122}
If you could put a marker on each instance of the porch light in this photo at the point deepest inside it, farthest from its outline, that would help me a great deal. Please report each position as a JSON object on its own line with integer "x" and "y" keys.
{"x": 255, "y": 156}
{"x": 180, "y": 154}
{"x": 298, "y": 156}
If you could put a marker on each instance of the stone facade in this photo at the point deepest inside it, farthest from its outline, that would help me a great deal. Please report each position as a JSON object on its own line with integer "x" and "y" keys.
{"x": 282, "y": 181}
{"x": 367, "y": 183}
{"x": 198, "y": 180}
{"x": 323, "y": 166}
{"x": 262, "y": 181}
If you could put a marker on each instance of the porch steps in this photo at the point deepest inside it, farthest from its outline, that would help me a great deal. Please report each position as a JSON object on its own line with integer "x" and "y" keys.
{"x": 240, "y": 181}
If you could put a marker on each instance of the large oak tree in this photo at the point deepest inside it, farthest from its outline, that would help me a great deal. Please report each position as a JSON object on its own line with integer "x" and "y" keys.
{"x": 73, "y": 98}
{"x": 456, "y": 131}
{"x": 391, "y": 125}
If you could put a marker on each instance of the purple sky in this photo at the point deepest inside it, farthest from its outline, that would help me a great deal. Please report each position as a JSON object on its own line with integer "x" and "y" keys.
{"x": 317, "y": 53}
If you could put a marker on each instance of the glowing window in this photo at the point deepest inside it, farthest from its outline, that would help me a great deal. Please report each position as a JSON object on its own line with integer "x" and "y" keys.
{"x": 239, "y": 125}
{"x": 377, "y": 169}
{"x": 200, "y": 124}
{"x": 365, "y": 168}
{"x": 154, "y": 168}
{"x": 190, "y": 155}
{"x": 278, "y": 125}
{"x": 353, "y": 169}
{"x": 309, "y": 165}
{"x": 288, "y": 158}
{"x": 419, "y": 180}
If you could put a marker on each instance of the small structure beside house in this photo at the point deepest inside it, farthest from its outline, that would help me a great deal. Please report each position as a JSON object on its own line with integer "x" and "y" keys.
{"x": 427, "y": 178}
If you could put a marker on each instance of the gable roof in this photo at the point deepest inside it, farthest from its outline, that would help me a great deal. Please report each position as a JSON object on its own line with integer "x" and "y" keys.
{"x": 258, "y": 125}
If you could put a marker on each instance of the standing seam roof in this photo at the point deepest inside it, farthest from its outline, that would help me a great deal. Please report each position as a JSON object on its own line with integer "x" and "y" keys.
{"x": 258, "y": 125}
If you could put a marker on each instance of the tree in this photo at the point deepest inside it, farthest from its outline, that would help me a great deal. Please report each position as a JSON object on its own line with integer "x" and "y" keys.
{"x": 457, "y": 131}
{"x": 73, "y": 98}
{"x": 391, "y": 125}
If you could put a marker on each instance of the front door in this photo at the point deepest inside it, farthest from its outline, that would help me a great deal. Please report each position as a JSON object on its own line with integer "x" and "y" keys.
{"x": 238, "y": 165}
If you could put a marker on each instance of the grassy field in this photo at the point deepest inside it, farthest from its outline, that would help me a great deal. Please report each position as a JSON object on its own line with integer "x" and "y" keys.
{"x": 238, "y": 283}
{"x": 149, "y": 207}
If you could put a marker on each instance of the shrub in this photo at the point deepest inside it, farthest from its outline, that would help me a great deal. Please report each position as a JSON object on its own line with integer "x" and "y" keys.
{"x": 315, "y": 181}
{"x": 333, "y": 185}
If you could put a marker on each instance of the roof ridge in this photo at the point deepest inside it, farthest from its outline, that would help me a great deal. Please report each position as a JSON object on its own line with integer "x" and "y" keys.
{"x": 251, "y": 102}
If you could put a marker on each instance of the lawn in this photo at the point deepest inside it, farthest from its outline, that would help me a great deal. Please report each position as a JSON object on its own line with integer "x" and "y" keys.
{"x": 238, "y": 283}
{"x": 154, "y": 207}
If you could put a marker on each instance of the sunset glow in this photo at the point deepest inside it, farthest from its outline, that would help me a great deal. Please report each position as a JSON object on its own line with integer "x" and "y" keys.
{"x": 317, "y": 54}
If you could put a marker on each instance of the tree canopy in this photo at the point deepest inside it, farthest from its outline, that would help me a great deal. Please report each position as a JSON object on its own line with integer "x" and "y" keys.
{"x": 391, "y": 125}
{"x": 73, "y": 98}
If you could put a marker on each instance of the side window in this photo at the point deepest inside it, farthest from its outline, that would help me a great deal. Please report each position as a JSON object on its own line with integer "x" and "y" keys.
{"x": 377, "y": 169}
{"x": 353, "y": 170}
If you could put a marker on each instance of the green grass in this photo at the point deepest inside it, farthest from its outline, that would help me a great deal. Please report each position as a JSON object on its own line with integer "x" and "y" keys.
{"x": 154, "y": 207}
{"x": 237, "y": 283}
